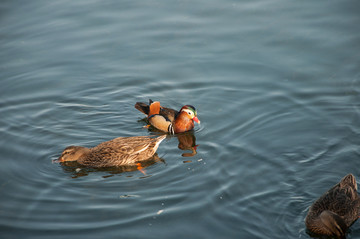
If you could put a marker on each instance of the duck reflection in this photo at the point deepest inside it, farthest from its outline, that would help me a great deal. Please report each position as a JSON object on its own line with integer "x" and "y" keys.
{"x": 187, "y": 141}
{"x": 78, "y": 170}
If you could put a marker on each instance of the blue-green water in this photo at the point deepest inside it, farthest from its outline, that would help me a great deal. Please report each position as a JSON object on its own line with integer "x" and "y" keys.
{"x": 277, "y": 89}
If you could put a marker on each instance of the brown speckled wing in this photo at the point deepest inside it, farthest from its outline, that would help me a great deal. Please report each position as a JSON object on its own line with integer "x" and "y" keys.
{"x": 121, "y": 151}
{"x": 342, "y": 200}
{"x": 168, "y": 113}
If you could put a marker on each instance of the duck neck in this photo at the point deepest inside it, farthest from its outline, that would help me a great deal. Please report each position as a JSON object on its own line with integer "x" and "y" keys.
{"x": 183, "y": 123}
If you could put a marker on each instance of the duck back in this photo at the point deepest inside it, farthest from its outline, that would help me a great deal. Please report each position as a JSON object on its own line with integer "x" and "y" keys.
{"x": 336, "y": 210}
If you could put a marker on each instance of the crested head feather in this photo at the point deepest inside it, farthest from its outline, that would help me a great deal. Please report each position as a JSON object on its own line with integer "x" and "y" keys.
{"x": 189, "y": 107}
{"x": 191, "y": 113}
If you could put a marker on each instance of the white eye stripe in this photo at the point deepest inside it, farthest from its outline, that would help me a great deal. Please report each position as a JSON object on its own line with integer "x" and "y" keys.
{"x": 188, "y": 111}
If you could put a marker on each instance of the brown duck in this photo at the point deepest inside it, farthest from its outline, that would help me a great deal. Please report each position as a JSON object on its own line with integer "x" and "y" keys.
{"x": 167, "y": 119}
{"x": 336, "y": 210}
{"x": 117, "y": 152}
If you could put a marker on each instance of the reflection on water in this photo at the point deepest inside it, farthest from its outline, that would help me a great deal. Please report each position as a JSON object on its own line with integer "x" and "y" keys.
{"x": 187, "y": 141}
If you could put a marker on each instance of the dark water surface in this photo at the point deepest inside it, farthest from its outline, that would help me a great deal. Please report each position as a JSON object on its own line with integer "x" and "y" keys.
{"x": 277, "y": 89}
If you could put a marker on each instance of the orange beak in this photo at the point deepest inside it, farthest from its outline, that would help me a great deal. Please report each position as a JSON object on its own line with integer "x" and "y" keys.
{"x": 196, "y": 120}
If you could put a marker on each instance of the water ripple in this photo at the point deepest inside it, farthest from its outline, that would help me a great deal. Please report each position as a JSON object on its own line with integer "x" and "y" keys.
{"x": 276, "y": 90}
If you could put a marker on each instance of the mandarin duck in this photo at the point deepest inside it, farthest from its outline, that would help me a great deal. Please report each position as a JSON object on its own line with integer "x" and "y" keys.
{"x": 117, "y": 152}
{"x": 169, "y": 120}
{"x": 336, "y": 210}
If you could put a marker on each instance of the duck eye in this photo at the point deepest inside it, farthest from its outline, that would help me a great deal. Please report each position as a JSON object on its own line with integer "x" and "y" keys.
{"x": 68, "y": 152}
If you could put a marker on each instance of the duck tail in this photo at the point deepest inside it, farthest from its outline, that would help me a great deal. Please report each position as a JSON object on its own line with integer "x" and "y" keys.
{"x": 154, "y": 108}
{"x": 159, "y": 140}
{"x": 142, "y": 107}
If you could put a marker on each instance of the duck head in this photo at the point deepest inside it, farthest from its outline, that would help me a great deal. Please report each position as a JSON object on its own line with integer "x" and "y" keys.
{"x": 348, "y": 181}
{"x": 190, "y": 112}
{"x": 72, "y": 153}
